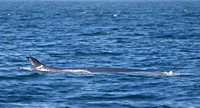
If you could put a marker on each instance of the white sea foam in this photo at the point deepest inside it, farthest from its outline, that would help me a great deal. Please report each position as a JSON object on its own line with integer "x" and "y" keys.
{"x": 115, "y": 15}
{"x": 173, "y": 73}
{"x": 25, "y": 68}
{"x": 168, "y": 73}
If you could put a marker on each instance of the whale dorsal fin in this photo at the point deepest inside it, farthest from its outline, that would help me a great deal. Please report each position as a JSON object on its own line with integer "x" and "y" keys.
{"x": 34, "y": 62}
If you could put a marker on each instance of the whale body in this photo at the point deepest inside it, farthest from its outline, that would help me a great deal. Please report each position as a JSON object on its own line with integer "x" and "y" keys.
{"x": 36, "y": 65}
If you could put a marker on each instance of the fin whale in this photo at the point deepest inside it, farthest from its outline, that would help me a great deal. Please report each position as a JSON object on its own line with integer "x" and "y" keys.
{"x": 36, "y": 65}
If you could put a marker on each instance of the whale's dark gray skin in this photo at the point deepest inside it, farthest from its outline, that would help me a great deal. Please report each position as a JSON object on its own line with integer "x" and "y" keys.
{"x": 36, "y": 65}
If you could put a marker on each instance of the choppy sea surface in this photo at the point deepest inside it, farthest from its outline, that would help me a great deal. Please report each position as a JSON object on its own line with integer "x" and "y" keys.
{"x": 151, "y": 35}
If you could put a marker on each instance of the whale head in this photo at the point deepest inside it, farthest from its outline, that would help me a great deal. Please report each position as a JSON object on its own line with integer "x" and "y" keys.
{"x": 35, "y": 63}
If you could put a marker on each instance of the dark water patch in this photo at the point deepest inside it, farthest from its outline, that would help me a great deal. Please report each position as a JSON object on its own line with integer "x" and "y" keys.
{"x": 97, "y": 53}
{"x": 100, "y": 33}
{"x": 5, "y": 78}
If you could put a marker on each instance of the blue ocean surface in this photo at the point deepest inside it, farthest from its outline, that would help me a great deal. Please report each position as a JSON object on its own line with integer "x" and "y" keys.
{"x": 152, "y": 35}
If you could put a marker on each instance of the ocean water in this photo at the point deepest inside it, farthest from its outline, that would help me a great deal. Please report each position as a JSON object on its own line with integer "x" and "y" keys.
{"x": 151, "y": 35}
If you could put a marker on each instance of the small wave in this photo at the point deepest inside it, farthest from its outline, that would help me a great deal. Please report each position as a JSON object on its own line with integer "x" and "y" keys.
{"x": 104, "y": 102}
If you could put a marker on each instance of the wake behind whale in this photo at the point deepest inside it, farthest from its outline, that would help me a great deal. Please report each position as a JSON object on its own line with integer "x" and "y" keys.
{"x": 36, "y": 65}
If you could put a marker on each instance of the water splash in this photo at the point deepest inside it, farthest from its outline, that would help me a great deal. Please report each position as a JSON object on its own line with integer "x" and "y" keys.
{"x": 170, "y": 73}
{"x": 25, "y": 68}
